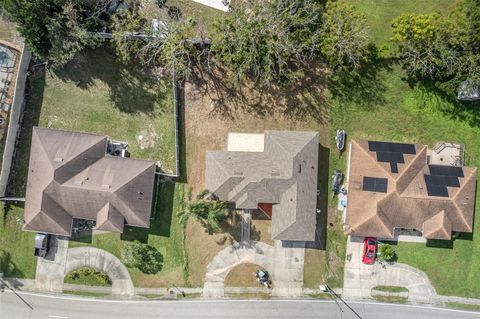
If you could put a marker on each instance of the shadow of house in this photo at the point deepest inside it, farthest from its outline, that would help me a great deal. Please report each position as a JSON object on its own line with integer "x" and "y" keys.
{"x": 322, "y": 200}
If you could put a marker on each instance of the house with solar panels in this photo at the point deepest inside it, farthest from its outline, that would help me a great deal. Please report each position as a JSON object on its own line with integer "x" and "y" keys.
{"x": 397, "y": 189}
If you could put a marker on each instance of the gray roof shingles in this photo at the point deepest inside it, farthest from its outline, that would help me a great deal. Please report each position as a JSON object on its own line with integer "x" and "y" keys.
{"x": 71, "y": 176}
{"x": 285, "y": 175}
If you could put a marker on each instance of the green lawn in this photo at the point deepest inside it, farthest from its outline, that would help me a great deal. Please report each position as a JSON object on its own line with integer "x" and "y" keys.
{"x": 96, "y": 94}
{"x": 165, "y": 233}
{"x": 381, "y": 105}
{"x": 381, "y": 12}
{"x": 16, "y": 246}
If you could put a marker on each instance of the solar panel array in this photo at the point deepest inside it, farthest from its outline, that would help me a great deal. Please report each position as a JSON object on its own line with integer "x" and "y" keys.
{"x": 374, "y": 184}
{"x": 392, "y": 153}
{"x": 442, "y": 177}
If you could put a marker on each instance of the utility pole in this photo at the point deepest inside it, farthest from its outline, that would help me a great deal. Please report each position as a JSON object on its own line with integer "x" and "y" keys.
{"x": 327, "y": 288}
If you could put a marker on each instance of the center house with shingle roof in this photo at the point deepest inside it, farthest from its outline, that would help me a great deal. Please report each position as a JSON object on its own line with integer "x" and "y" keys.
{"x": 392, "y": 187}
{"x": 275, "y": 172}
{"x": 71, "y": 177}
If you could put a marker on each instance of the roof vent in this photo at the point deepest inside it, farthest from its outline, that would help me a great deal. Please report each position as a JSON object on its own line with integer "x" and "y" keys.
{"x": 58, "y": 159}
{"x": 78, "y": 183}
{"x": 105, "y": 186}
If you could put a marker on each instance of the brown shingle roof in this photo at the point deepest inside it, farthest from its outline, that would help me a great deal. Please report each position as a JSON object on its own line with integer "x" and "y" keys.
{"x": 406, "y": 203}
{"x": 70, "y": 176}
{"x": 284, "y": 174}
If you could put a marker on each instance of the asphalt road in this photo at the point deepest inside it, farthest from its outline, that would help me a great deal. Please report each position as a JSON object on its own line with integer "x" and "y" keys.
{"x": 47, "y": 307}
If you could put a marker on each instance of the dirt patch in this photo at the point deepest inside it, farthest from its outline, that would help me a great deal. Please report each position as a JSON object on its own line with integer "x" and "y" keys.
{"x": 243, "y": 276}
{"x": 312, "y": 272}
{"x": 147, "y": 138}
{"x": 168, "y": 279}
{"x": 202, "y": 247}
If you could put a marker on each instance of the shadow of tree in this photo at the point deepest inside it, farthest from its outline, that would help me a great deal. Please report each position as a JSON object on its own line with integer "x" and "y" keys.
{"x": 33, "y": 105}
{"x": 301, "y": 99}
{"x": 132, "y": 87}
{"x": 468, "y": 112}
{"x": 8, "y": 267}
{"x": 363, "y": 87}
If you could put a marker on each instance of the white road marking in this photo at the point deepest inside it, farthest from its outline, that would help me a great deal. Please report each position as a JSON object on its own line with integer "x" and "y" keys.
{"x": 40, "y": 295}
{"x": 59, "y": 317}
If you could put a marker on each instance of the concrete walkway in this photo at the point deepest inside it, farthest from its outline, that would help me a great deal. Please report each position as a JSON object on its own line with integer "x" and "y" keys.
{"x": 359, "y": 279}
{"x": 52, "y": 269}
{"x": 284, "y": 262}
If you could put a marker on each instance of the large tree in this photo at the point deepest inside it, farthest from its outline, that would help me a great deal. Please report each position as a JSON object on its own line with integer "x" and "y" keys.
{"x": 345, "y": 40}
{"x": 56, "y": 30}
{"x": 444, "y": 49}
{"x": 267, "y": 40}
{"x": 170, "y": 44}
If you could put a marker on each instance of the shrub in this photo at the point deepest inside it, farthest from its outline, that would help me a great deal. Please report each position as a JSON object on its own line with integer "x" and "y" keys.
{"x": 142, "y": 256}
{"x": 387, "y": 252}
{"x": 161, "y": 3}
{"x": 81, "y": 275}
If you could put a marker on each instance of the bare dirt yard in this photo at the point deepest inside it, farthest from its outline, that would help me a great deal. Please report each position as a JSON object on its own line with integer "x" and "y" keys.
{"x": 212, "y": 109}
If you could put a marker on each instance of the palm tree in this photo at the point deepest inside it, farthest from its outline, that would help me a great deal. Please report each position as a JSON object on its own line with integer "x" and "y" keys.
{"x": 206, "y": 209}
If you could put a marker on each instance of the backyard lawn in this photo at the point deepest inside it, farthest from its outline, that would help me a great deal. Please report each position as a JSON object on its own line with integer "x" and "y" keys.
{"x": 383, "y": 106}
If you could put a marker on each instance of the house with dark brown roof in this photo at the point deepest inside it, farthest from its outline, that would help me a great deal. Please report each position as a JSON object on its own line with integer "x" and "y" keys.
{"x": 394, "y": 187}
{"x": 71, "y": 176}
{"x": 274, "y": 172}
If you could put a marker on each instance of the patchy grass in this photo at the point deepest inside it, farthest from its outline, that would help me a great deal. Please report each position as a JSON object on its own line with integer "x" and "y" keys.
{"x": 85, "y": 293}
{"x": 463, "y": 306}
{"x": 16, "y": 245}
{"x": 165, "y": 234}
{"x": 312, "y": 272}
{"x": 249, "y": 295}
{"x": 96, "y": 94}
{"x": 391, "y": 299}
{"x": 192, "y": 295}
{"x": 390, "y": 288}
{"x": 243, "y": 275}
{"x": 322, "y": 295}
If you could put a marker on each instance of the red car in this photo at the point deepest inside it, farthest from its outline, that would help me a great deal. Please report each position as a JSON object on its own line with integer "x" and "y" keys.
{"x": 369, "y": 250}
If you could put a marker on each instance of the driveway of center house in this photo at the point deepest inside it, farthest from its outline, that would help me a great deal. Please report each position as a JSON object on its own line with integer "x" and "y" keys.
{"x": 284, "y": 261}
{"x": 359, "y": 279}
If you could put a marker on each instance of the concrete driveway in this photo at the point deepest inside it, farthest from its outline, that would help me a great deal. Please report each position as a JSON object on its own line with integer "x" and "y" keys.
{"x": 60, "y": 260}
{"x": 284, "y": 261}
{"x": 359, "y": 279}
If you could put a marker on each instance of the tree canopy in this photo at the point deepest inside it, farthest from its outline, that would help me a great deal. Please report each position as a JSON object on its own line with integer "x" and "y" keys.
{"x": 345, "y": 40}
{"x": 206, "y": 209}
{"x": 441, "y": 48}
{"x": 57, "y": 29}
{"x": 266, "y": 40}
